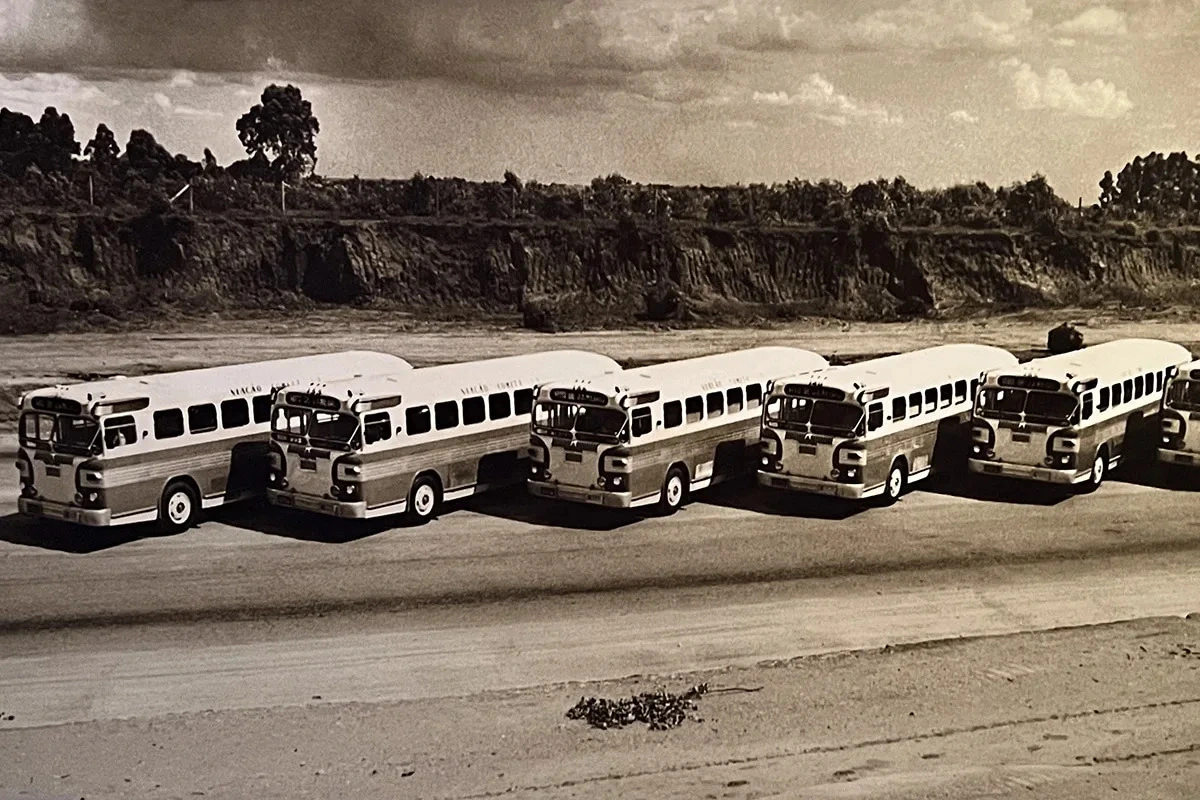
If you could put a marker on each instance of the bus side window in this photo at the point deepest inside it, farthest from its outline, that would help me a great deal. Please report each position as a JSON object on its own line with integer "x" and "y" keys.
{"x": 945, "y": 395}
{"x": 1087, "y": 406}
{"x": 262, "y": 408}
{"x": 1137, "y": 386}
{"x": 733, "y": 399}
{"x": 445, "y": 415}
{"x": 875, "y": 416}
{"x": 523, "y": 401}
{"x": 694, "y": 406}
{"x": 1102, "y": 400}
{"x": 643, "y": 423}
{"x": 960, "y": 391}
{"x": 1116, "y": 394}
{"x": 168, "y": 424}
{"x": 898, "y": 409}
{"x": 672, "y": 414}
{"x": 473, "y": 411}
{"x": 377, "y": 427}
{"x": 202, "y": 418}
{"x": 416, "y": 420}
{"x": 753, "y": 395}
{"x": 1159, "y": 380}
{"x": 974, "y": 389}
{"x": 914, "y": 404}
{"x": 119, "y": 431}
{"x": 499, "y": 406}
{"x": 235, "y": 413}
{"x": 716, "y": 404}
{"x": 1127, "y": 389}
{"x": 930, "y": 400}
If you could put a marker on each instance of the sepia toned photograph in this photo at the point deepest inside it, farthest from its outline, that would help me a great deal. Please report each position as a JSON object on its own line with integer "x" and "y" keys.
{"x": 599, "y": 399}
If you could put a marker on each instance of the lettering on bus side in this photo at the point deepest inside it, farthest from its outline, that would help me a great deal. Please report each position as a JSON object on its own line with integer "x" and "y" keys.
{"x": 243, "y": 391}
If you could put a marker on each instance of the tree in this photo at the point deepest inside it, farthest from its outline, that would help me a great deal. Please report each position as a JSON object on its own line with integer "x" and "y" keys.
{"x": 1106, "y": 189}
{"x": 17, "y": 135}
{"x": 512, "y": 181}
{"x": 55, "y": 144}
{"x": 145, "y": 157}
{"x": 103, "y": 150}
{"x": 283, "y": 127}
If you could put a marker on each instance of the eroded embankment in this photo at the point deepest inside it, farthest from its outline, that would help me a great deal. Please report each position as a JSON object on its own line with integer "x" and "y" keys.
{"x": 55, "y": 268}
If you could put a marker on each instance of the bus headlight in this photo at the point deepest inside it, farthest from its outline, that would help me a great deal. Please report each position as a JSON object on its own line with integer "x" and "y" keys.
{"x": 770, "y": 445}
{"x": 1171, "y": 425}
{"x": 616, "y": 483}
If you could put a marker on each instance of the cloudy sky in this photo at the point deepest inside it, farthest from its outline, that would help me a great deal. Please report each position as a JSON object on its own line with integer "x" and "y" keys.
{"x": 679, "y": 91}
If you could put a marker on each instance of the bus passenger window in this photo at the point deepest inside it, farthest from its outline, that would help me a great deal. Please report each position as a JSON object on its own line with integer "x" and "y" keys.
{"x": 899, "y": 411}
{"x": 1116, "y": 394}
{"x": 1102, "y": 401}
{"x": 694, "y": 406}
{"x": 119, "y": 431}
{"x": 523, "y": 401}
{"x": 960, "y": 391}
{"x": 974, "y": 388}
{"x": 416, "y": 420}
{"x": 235, "y": 414}
{"x": 1087, "y": 406}
{"x": 945, "y": 395}
{"x": 473, "y": 411}
{"x": 930, "y": 400}
{"x": 875, "y": 416}
{"x": 262, "y": 408}
{"x": 914, "y": 404}
{"x": 1158, "y": 381}
{"x": 753, "y": 395}
{"x": 202, "y": 419}
{"x": 716, "y": 404}
{"x": 672, "y": 414}
{"x": 499, "y": 406}
{"x": 445, "y": 415}
{"x": 643, "y": 423}
{"x": 733, "y": 399}
{"x": 377, "y": 427}
{"x": 1137, "y": 386}
{"x": 1127, "y": 389}
{"x": 168, "y": 424}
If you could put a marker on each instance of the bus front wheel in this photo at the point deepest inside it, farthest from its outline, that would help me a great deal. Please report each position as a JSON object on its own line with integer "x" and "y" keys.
{"x": 1099, "y": 469}
{"x": 896, "y": 480}
{"x": 179, "y": 507}
{"x": 674, "y": 490}
{"x": 424, "y": 499}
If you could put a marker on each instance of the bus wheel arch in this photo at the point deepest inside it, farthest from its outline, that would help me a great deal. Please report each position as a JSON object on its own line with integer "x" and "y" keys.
{"x": 425, "y": 496}
{"x": 897, "y": 480}
{"x": 675, "y": 487}
{"x": 179, "y": 505}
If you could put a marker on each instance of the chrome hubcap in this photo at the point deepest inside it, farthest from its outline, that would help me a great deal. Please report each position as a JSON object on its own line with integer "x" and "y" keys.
{"x": 674, "y": 490}
{"x": 1098, "y": 469}
{"x": 179, "y": 508}
{"x": 894, "y": 483}
{"x": 424, "y": 499}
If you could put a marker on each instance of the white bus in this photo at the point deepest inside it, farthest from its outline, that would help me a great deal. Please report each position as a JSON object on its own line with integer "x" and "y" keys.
{"x": 655, "y": 434}
{"x": 1181, "y": 417}
{"x": 367, "y": 448}
{"x": 1071, "y": 418}
{"x": 160, "y": 447}
{"x": 872, "y": 428}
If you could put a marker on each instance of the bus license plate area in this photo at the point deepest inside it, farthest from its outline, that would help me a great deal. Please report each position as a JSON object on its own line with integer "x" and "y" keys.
{"x": 807, "y": 449}
{"x": 1184, "y": 458}
{"x": 1021, "y": 437}
{"x": 994, "y": 469}
{"x": 53, "y": 472}
{"x": 575, "y": 458}
{"x": 308, "y": 464}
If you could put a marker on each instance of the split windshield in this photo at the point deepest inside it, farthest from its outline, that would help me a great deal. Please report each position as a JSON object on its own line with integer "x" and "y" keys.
{"x": 1051, "y": 408}
{"x": 581, "y": 422}
{"x": 321, "y": 428}
{"x": 1184, "y": 395}
{"x": 816, "y": 416}
{"x": 69, "y": 434}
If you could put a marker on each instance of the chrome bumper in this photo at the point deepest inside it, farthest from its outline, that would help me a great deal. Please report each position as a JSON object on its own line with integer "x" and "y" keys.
{"x": 46, "y": 509}
{"x": 1179, "y": 457}
{"x": 578, "y": 494}
{"x": 1064, "y": 477}
{"x": 320, "y": 505}
{"x": 796, "y": 483}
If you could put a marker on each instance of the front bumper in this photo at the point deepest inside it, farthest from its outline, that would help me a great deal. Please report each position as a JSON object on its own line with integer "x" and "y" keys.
{"x": 1179, "y": 457}
{"x": 1027, "y": 472}
{"x": 797, "y": 483}
{"x": 320, "y": 505}
{"x": 578, "y": 494}
{"x": 46, "y": 509}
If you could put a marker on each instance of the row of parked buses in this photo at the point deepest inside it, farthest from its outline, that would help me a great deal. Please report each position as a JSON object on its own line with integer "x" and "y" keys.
{"x": 360, "y": 435}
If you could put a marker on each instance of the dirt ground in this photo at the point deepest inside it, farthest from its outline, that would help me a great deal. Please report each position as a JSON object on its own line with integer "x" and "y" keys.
{"x": 1109, "y": 711}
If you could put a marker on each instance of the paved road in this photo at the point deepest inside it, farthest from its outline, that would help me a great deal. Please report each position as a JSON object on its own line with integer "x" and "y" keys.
{"x": 255, "y": 608}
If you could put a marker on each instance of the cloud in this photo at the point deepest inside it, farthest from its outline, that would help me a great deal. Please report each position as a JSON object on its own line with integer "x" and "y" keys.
{"x": 944, "y": 25}
{"x": 166, "y": 104}
{"x": 1097, "y": 99}
{"x": 963, "y": 117}
{"x": 183, "y": 79}
{"x": 1096, "y": 21}
{"x": 820, "y": 99}
{"x": 31, "y": 93}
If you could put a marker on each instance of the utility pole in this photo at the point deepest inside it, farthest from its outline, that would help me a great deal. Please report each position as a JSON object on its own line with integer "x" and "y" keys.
{"x": 283, "y": 197}
{"x": 91, "y": 192}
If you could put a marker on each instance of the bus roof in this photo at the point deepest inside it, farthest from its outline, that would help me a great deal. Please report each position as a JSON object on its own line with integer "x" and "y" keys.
{"x": 918, "y": 368}
{"x": 677, "y": 377}
{"x": 470, "y": 378}
{"x": 1105, "y": 362}
{"x": 193, "y": 385}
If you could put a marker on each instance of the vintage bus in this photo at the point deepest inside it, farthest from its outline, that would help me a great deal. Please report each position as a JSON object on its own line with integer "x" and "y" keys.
{"x": 367, "y": 448}
{"x": 1071, "y": 418}
{"x": 1181, "y": 417}
{"x": 656, "y": 434}
{"x": 873, "y": 428}
{"x": 161, "y": 447}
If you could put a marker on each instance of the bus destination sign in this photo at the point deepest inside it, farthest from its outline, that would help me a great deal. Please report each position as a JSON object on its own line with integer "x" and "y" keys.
{"x": 1028, "y": 382}
{"x": 815, "y": 391}
{"x": 582, "y": 396}
{"x": 318, "y": 401}
{"x": 57, "y": 405}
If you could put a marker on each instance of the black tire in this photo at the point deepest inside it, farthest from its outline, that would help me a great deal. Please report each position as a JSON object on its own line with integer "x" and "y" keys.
{"x": 424, "y": 499}
{"x": 897, "y": 482}
{"x": 674, "y": 490}
{"x": 1099, "y": 470}
{"x": 179, "y": 507}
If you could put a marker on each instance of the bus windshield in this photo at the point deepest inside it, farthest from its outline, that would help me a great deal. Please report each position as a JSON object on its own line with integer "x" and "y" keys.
{"x": 816, "y": 416}
{"x": 321, "y": 428}
{"x": 1184, "y": 395}
{"x": 1051, "y": 408}
{"x": 581, "y": 422}
{"x": 77, "y": 435}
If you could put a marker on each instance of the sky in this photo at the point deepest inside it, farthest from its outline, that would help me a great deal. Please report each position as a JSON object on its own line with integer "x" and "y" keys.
{"x": 670, "y": 91}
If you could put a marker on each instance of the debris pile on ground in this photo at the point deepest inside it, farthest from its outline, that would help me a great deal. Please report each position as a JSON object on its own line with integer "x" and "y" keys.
{"x": 1185, "y": 651}
{"x": 660, "y": 710}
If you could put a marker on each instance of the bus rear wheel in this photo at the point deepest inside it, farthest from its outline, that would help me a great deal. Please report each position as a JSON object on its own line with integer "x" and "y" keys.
{"x": 674, "y": 490}
{"x": 178, "y": 508}
{"x": 424, "y": 499}
{"x": 896, "y": 480}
